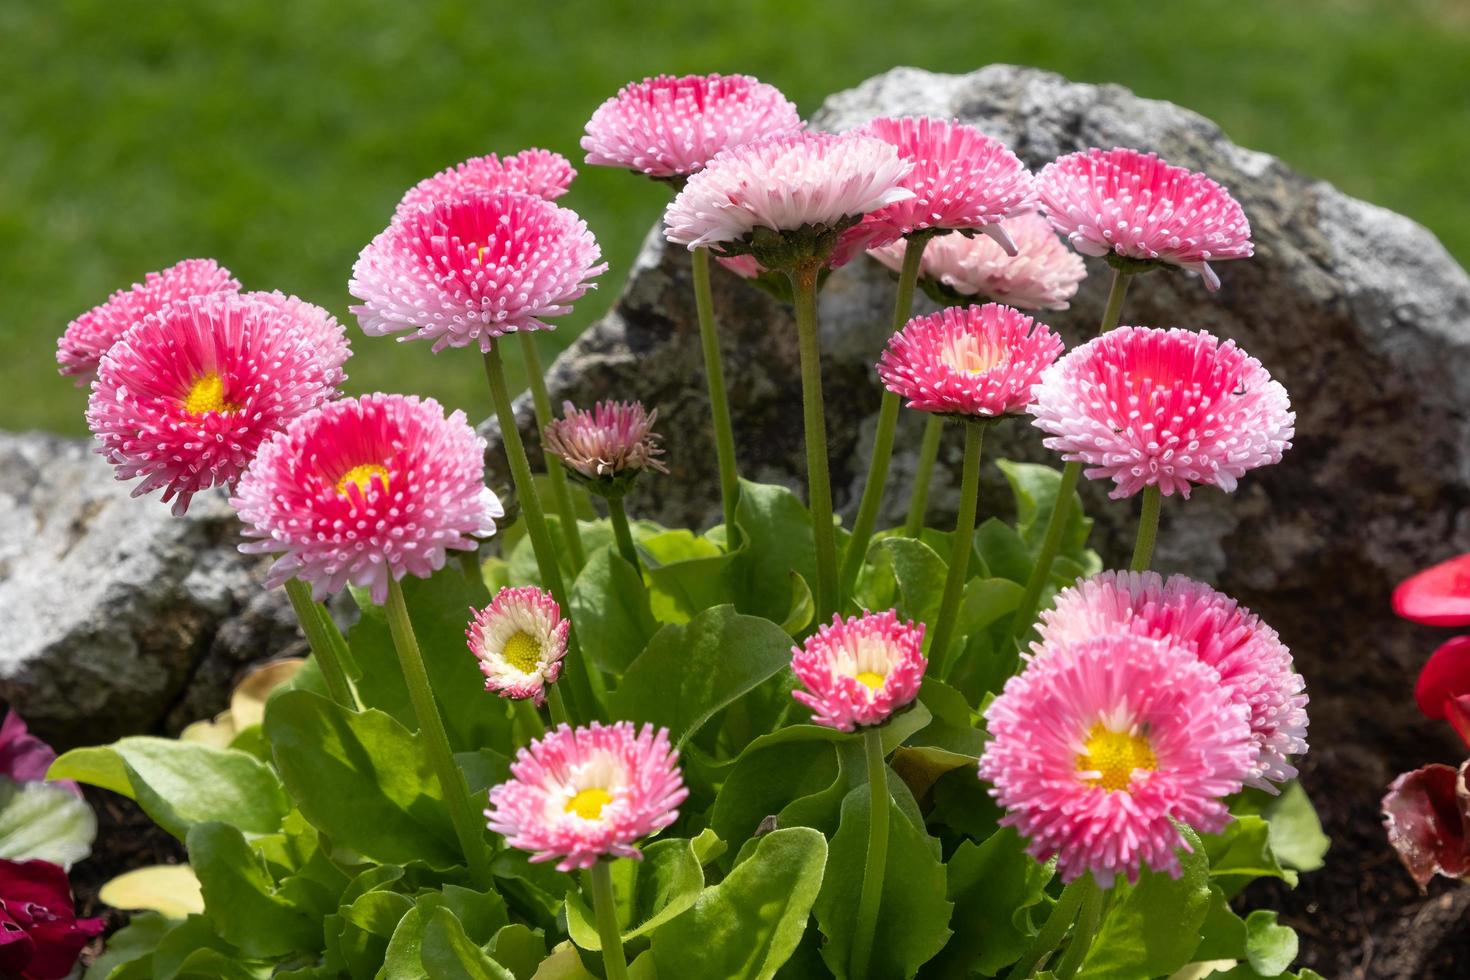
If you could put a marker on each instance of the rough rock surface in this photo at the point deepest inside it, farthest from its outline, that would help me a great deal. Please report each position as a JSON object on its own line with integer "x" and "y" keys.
{"x": 1358, "y": 311}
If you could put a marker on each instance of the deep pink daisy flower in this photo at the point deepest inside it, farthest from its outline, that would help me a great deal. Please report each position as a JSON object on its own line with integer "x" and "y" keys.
{"x": 1255, "y": 667}
{"x": 520, "y": 640}
{"x": 669, "y": 127}
{"x": 1043, "y": 274}
{"x": 185, "y": 398}
{"x": 468, "y": 271}
{"x": 539, "y": 173}
{"x": 1095, "y": 755}
{"x": 93, "y": 333}
{"x": 1437, "y": 596}
{"x": 975, "y": 361}
{"x": 364, "y": 488}
{"x": 859, "y": 671}
{"x": 580, "y": 795}
{"x": 607, "y": 441}
{"x": 1164, "y": 408}
{"x": 1135, "y": 206}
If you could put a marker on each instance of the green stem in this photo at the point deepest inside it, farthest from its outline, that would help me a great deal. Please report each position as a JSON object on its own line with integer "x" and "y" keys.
{"x": 923, "y": 476}
{"x": 530, "y": 718}
{"x": 961, "y": 545}
{"x": 558, "y": 706}
{"x": 1148, "y": 530}
{"x": 1052, "y": 933}
{"x": 468, "y": 826}
{"x": 1092, "y": 901}
{"x": 310, "y": 614}
{"x": 622, "y": 533}
{"x": 877, "y": 862}
{"x": 556, "y": 475}
{"x": 819, "y": 486}
{"x": 867, "y": 513}
{"x": 605, "y": 909}
{"x": 719, "y": 404}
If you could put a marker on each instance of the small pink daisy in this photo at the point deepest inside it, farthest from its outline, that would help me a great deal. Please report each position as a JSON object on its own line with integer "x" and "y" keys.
{"x": 1096, "y": 755}
{"x": 1255, "y": 667}
{"x": 93, "y": 333}
{"x": 973, "y": 361}
{"x": 607, "y": 443}
{"x": 539, "y": 173}
{"x": 1134, "y": 206}
{"x": 861, "y": 670}
{"x": 581, "y": 795}
{"x": 186, "y": 396}
{"x": 468, "y": 271}
{"x": 364, "y": 488}
{"x": 520, "y": 640}
{"x": 669, "y": 128}
{"x": 1164, "y": 408}
{"x": 1043, "y": 274}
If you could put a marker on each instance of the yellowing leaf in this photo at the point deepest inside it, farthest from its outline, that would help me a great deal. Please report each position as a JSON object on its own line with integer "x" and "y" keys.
{"x": 170, "y": 889}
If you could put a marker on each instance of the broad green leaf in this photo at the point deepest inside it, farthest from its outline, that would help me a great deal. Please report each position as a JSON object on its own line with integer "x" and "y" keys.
{"x": 44, "y": 822}
{"x": 403, "y": 959}
{"x": 1269, "y": 947}
{"x": 803, "y": 607}
{"x": 1222, "y": 934}
{"x": 448, "y": 954}
{"x": 364, "y": 928}
{"x": 687, "y": 575}
{"x": 650, "y": 892}
{"x": 993, "y": 885}
{"x": 241, "y": 899}
{"x": 131, "y": 943}
{"x": 564, "y": 963}
{"x": 1034, "y": 487}
{"x": 766, "y": 779}
{"x": 776, "y": 531}
{"x": 962, "y": 803}
{"x": 986, "y": 601}
{"x": 178, "y": 953}
{"x": 920, "y": 573}
{"x": 1002, "y": 552}
{"x": 170, "y": 889}
{"x": 1242, "y": 853}
{"x": 611, "y": 612}
{"x": 519, "y": 949}
{"x": 1296, "y": 832}
{"x": 745, "y": 927}
{"x": 480, "y": 914}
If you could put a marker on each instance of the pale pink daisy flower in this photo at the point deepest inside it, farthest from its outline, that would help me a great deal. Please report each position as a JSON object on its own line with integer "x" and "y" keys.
{"x": 1132, "y": 206}
{"x": 608, "y": 444}
{"x": 1163, "y": 408}
{"x": 520, "y": 640}
{"x": 539, "y": 173}
{"x": 464, "y": 272}
{"x": 973, "y": 361}
{"x": 669, "y": 128}
{"x": 1043, "y": 274}
{"x": 581, "y": 795}
{"x": 859, "y": 671}
{"x": 367, "y": 488}
{"x": 185, "y": 398}
{"x": 93, "y": 333}
{"x": 1094, "y": 756}
{"x": 1255, "y": 667}
{"x": 317, "y": 326}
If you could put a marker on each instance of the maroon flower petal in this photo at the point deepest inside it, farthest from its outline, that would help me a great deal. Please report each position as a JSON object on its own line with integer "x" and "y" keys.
{"x": 1446, "y": 675}
{"x": 1427, "y": 816}
{"x": 1438, "y": 596}
{"x": 40, "y": 936}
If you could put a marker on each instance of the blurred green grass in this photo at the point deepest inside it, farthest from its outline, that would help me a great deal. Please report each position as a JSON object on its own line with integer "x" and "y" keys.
{"x": 277, "y": 136}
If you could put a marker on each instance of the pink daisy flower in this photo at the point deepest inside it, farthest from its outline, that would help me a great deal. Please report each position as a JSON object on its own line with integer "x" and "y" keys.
{"x": 860, "y": 671}
{"x": 1255, "y": 667}
{"x": 606, "y": 443}
{"x": 93, "y": 333}
{"x": 1134, "y": 206}
{"x": 468, "y": 271}
{"x": 539, "y": 173}
{"x": 1437, "y": 596}
{"x": 669, "y": 127}
{"x": 970, "y": 361}
{"x": 1042, "y": 275}
{"x": 364, "y": 488}
{"x": 520, "y": 640}
{"x": 1095, "y": 755}
{"x": 1165, "y": 408}
{"x": 185, "y": 398}
{"x": 584, "y": 794}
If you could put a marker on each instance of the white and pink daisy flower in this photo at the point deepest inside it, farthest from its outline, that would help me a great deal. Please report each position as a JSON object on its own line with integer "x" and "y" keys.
{"x": 539, "y": 173}
{"x": 1165, "y": 408}
{"x": 1096, "y": 755}
{"x": 93, "y": 333}
{"x": 581, "y": 795}
{"x": 972, "y": 361}
{"x": 464, "y": 272}
{"x": 607, "y": 441}
{"x": 188, "y": 394}
{"x": 1134, "y": 206}
{"x": 519, "y": 640}
{"x": 860, "y": 671}
{"x": 367, "y": 488}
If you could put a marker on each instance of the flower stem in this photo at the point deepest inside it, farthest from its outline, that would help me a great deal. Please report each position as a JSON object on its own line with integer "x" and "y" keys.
{"x": 877, "y": 862}
{"x": 467, "y": 824}
{"x": 1148, "y": 530}
{"x": 310, "y": 614}
{"x": 719, "y": 404}
{"x": 561, "y": 493}
{"x": 621, "y": 532}
{"x": 961, "y": 545}
{"x": 530, "y": 718}
{"x": 923, "y": 476}
{"x": 1052, "y": 933}
{"x": 867, "y": 513}
{"x": 558, "y": 706}
{"x": 605, "y": 909}
{"x": 819, "y": 486}
{"x": 1092, "y": 900}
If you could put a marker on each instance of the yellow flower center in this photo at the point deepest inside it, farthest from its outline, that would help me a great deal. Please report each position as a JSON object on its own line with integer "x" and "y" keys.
{"x": 1115, "y": 756}
{"x": 480, "y": 253}
{"x": 362, "y": 475}
{"x": 588, "y": 803}
{"x": 872, "y": 680}
{"x": 207, "y": 395}
{"x": 522, "y": 652}
{"x": 968, "y": 355}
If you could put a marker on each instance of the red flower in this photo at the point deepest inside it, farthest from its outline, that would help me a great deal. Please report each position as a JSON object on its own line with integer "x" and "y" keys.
{"x": 40, "y": 935}
{"x": 1443, "y": 688}
{"x": 1427, "y": 815}
{"x": 1438, "y": 596}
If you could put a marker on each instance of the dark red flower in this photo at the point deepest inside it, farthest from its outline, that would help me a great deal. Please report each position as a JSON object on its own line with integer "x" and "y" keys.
{"x": 1438, "y": 596}
{"x": 40, "y": 935}
{"x": 1443, "y": 688}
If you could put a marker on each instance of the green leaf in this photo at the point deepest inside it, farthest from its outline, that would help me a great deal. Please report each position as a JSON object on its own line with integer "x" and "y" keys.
{"x": 993, "y": 885}
{"x": 1002, "y": 552}
{"x": 803, "y": 607}
{"x": 766, "y": 778}
{"x": 564, "y": 963}
{"x": 1034, "y": 487}
{"x": 519, "y": 949}
{"x": 776, "y": 536}
{"x": 745, "y": 927}
{"x": 1222, "y": 934}
{"x": 688, "y": 574}
{"x": 44, "y": 822}
{"x": 1269, "y": 947}
{"x": 986, "y": 601}
{"x": 193, "y": 949}
{"x": 403, "y": 958}
{"x": 133, "y": 942}
{"x": 610, "y": 611}
{"x": 362, "y": 778}
{"x": 366, "y": 927}
{"x": 241, "y": 899}
{"x": 1296, "y": 832}
{"x": 650, "y": 892}
{"x": 920, "y": 573}
{"x": 1242, "y": 852}
{"x": 179, "y": 784}
{"x": 448, "y": 954}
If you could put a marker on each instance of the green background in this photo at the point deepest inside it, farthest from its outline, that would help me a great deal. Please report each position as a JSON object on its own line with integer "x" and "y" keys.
{"x": 276, "y": 136}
